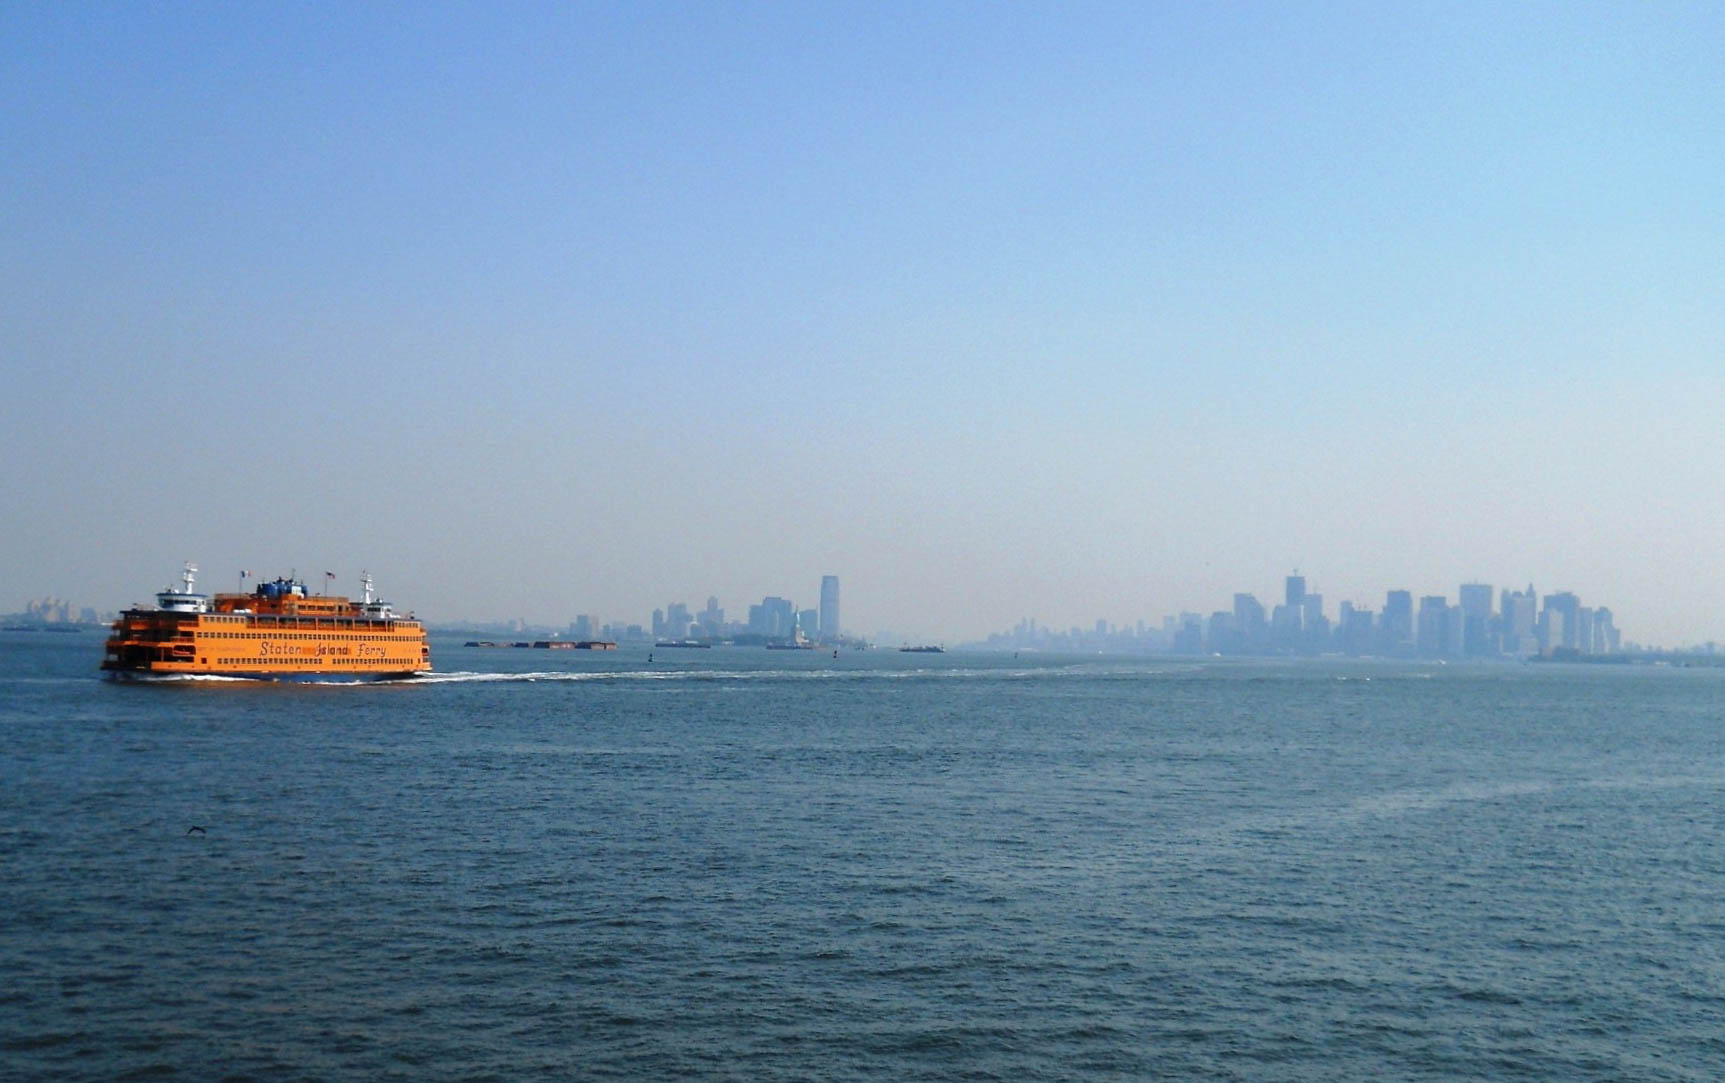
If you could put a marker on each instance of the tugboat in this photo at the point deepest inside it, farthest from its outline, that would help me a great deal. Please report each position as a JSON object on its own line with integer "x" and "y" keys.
{"x": 277, "y": 632}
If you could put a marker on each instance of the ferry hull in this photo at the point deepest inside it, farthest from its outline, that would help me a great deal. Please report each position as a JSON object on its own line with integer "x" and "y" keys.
{"x": 160, "y": 676}
{"x": 215, "y": 647}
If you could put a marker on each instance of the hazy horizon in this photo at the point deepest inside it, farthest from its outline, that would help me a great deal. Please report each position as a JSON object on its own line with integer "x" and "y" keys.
{"x": 736, "y": 610}
{"x": 1077, "y": 312}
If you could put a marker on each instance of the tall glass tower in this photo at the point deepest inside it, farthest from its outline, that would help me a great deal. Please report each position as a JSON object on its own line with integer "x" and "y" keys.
{"x": 829, "y": 608}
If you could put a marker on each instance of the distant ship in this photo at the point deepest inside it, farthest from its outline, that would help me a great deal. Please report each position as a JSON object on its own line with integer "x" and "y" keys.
{"x": 550, "y": 644}
{"x": 690, "y": 643}
{"x": 922, "y": 650}
{"x": 277, "y": 631}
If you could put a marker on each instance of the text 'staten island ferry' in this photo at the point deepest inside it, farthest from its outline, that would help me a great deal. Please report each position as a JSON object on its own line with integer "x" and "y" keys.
{"x": 277, "y": 631}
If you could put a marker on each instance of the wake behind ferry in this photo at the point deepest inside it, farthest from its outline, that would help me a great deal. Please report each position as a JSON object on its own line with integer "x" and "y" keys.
{"x": 278, "y": 631}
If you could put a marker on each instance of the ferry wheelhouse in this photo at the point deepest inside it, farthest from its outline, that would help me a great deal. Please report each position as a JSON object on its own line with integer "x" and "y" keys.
{"x": 278, "y": 631}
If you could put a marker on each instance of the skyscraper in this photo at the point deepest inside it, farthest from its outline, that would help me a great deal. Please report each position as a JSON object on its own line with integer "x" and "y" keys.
{"x": 1432, "y": 634}
{"x": 1397, "y": 623}
{"x": 1560, "y": 622}
{"x": 1519, "y": 632}
{"x": 829, "y": 608}
{"x": 1249, "y": 623}
{"x": 712, "y": 619}
{"x": 1290, "y": 618}
{"x": 676, "y": 621}
{"x": 1475, "y": 603}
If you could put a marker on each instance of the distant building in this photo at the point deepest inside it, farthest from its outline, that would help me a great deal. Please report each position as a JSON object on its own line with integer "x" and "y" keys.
{"x": 1285, "y": 627}
{"x": 712, "y": 619}
{"x": 49, "y": 611}
{"x": 1476, "y": 630}
{"x": 1292, "y": 622}
{"x": 1220, "y": 634}
{"x": 775, "y": 618}
{"x": 1314, "y": 626}
{"x": 1606, "y": 639}
{"x": 829, "y": 616}
{"x": 1250, "y": 627}
{"x": 1559, "y": 623}
{"x": 1354, "y": 629}
{"x": 1397, "y": 623}
{"x": 1189, "y": 634}
{"x": 677, "y": 622}
{"x": 1431, "y": 636}
{"x": 1517, "y": 620}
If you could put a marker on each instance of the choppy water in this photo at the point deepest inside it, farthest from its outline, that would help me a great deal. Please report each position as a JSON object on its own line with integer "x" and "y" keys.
{"x": 733, "y": 864}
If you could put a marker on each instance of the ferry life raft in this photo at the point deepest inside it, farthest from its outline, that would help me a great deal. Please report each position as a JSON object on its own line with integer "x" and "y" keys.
{"x": 278, "y": 631}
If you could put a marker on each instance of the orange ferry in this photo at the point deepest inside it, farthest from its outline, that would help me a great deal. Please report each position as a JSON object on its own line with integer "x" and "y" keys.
{"x": 277, "y": 631}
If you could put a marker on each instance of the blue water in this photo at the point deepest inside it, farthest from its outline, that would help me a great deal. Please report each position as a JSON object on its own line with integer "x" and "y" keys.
{"x": 736, "y": 864}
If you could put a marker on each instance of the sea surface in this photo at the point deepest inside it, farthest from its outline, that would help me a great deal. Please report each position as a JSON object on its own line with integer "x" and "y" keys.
{"x": 752, "y": 865}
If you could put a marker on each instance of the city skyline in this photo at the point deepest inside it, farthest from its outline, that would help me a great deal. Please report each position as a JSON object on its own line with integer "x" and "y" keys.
{"x": 1518, "y": 623}
{"x": 1514, "y": 621}
{"x": 1082, "y": 311}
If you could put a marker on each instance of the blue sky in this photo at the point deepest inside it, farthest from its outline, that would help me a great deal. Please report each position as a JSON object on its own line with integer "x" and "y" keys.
{"x": 1064, "y": 311}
